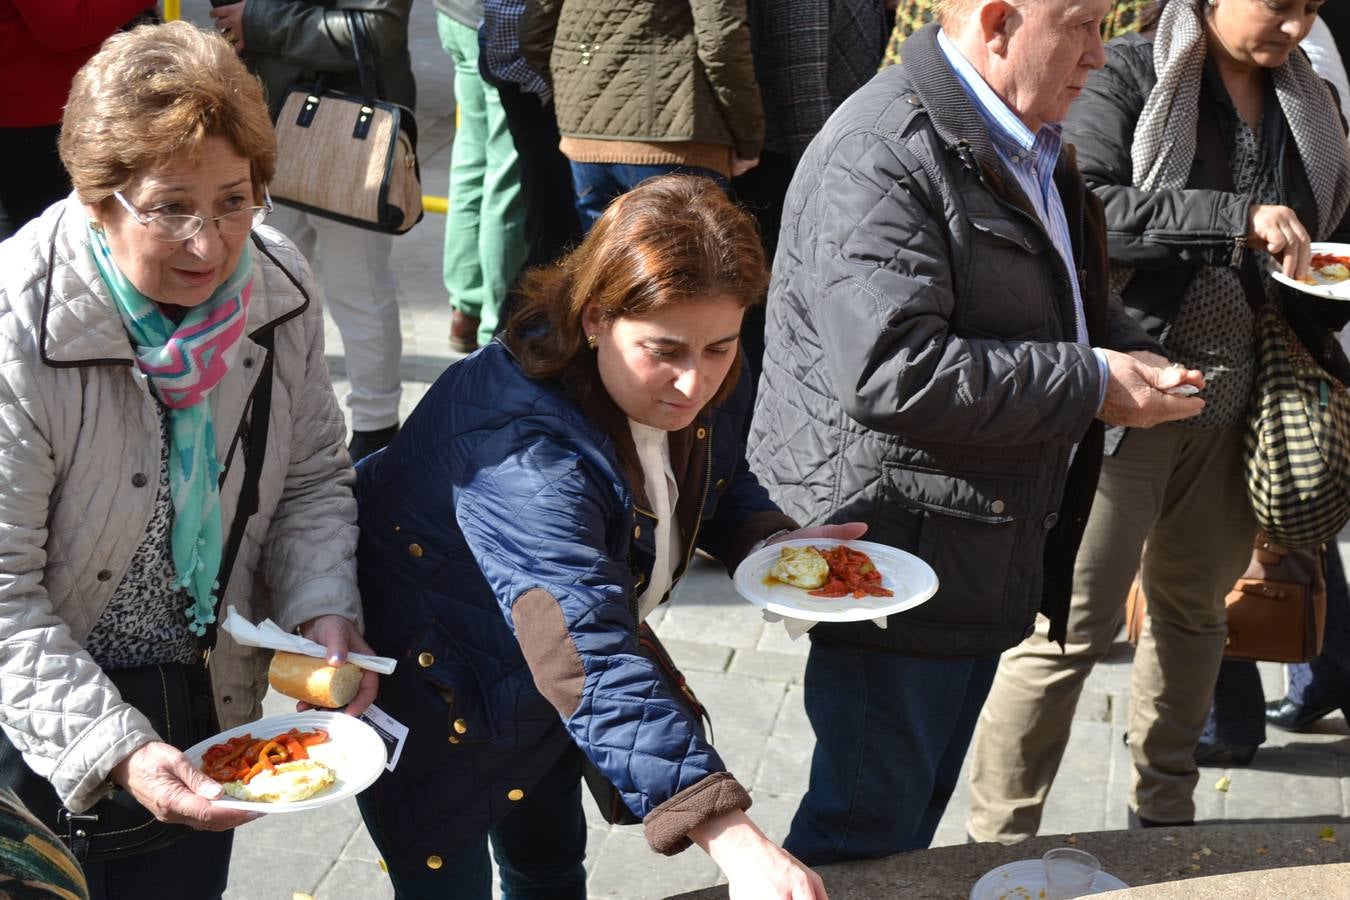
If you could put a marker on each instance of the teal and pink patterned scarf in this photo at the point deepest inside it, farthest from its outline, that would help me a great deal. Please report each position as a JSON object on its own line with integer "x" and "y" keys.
{"x": 183, "y": 362}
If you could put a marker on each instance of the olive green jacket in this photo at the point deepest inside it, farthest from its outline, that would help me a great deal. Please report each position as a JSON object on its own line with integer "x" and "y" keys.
{"x": 648, "y": 70}
{"x": 291, "y": 41}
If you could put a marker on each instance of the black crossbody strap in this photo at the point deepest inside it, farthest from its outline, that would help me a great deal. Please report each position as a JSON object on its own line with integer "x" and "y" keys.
{"x": 255, "y": 452}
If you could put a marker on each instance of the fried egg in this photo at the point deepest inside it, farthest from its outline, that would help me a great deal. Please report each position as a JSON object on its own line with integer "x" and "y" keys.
{"x": 291, "y": 782}
{"x": 801, "y": 567}
{"x": 1334, "y": 272}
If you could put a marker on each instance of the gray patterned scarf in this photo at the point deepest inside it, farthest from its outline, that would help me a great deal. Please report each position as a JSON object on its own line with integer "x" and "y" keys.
{"x": 1164, "y": 138}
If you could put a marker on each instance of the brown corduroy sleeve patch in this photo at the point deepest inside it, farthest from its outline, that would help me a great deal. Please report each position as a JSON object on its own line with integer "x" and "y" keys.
{"x": 667, "y": 827}
{"x": 752, "y": 531}
{"x": 549, "y": 650}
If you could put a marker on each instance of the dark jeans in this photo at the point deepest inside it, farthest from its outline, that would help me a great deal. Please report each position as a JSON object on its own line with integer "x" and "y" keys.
{"x": 891, "y": 734}
{"x": 198, "y": 866}
{"x": 540, "y": 848}
{"x": 597, "y": 184}
{"x": 32, "y": 177}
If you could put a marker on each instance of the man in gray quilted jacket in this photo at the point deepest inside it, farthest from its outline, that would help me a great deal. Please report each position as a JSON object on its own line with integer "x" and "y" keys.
{"x": 942, "y": 353}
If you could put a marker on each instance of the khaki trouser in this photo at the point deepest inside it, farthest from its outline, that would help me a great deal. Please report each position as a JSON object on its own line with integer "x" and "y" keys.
{"x": 1182, "y": 489}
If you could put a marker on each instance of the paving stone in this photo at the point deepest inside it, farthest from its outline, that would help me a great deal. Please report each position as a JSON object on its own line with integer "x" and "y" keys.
{"x": 698, "y": 655}
{"x": 627, "y": 869}
{"x": 325, "y": 831}
{"x": 786, "y": 766}
{"x": 1284, "y": 784}
{"x": 750, "y": 703}
{"x": 355, "y": 879}
{"x": 741, "y": 750}
{"x": 713, "y": 623}
{"x": 360, "y": 847}
{"x": 792, "y": 721}
{"x": 768, "y": 665}
{"x": 260, "y": 872}
{"x": 1079, "y": 798}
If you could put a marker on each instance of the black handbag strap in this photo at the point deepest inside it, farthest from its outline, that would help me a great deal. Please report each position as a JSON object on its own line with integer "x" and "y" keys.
{"x": 255, "y": 452}
{"x": 366, "y": 69}
{"x": 1210, "y": 141}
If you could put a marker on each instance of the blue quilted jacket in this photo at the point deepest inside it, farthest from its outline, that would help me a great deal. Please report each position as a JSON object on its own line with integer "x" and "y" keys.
{"x": 503, "y": 545}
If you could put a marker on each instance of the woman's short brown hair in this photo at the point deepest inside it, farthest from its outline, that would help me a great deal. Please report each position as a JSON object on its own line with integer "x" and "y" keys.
{"x": 673, "y": 239}
{"x": 154, "y": 94}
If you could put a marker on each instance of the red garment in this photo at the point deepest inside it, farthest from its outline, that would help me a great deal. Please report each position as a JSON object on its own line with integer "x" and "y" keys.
{"x": 43, "y": 43}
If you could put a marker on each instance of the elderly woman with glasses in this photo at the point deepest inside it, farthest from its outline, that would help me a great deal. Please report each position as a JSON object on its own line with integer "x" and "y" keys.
{"x": 169, "y": 445}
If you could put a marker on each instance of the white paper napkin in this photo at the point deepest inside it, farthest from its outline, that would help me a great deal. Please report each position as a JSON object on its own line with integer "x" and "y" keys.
{"x": 270, "y": 635}
{"x": 798, "y": 627}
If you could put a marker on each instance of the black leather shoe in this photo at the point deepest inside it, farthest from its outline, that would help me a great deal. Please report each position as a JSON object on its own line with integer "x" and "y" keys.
{"x": 1137, "y": 821}
{"x": 1293, "y": 716}
{"x": 1224, "y": 754}
{"x": 365, "y": 443}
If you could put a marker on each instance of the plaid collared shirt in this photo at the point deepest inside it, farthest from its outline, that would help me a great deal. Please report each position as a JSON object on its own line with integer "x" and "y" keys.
{"x": 499, "y": 40}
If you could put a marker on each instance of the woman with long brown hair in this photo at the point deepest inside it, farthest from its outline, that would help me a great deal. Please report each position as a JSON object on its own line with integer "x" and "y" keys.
{"x": 543, "y": 498}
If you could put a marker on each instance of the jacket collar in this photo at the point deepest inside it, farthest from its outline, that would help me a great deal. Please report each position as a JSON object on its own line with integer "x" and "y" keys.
{"x": 80, "y": 325}
{"x": 962, "y": 127}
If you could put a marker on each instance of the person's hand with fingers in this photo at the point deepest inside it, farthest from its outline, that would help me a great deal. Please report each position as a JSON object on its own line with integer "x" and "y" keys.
{"x": 164, "y": 781}
{"x": 338, "y": 636}
{"x": 1137, "y": 392}
{"x": 848, "y": 531}
{"x": 740, "y": 166}
{"x": 1278, "y": 231}
{"x": 229, "y": 21}
{"x": 756, "y": 867}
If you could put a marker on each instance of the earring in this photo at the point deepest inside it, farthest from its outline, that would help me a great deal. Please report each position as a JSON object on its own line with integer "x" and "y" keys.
{"x": 592, "y": 341}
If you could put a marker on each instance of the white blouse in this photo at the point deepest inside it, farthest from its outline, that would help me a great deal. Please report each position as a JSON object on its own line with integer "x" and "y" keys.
{"x": 653, "y": 450}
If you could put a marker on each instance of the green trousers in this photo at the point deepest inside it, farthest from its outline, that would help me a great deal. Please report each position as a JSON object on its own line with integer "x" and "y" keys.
{"x": 484, "y": 229}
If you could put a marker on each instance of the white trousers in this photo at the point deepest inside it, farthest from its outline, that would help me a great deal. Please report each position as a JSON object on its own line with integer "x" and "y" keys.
{"x": 360, "y": 291}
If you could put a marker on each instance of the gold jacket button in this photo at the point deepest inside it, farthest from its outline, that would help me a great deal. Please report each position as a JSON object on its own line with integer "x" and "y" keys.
{"x": 461, "y": 726}
{"x": 637, "y": 531}
{"x": 415, "y": 550}
{"x": 702, "y": 433}
{"x": 453, "y": 739}
{"x": 425, "y": 659}
{"x": 434, "y": 862}
{"x": 515, "y": 794}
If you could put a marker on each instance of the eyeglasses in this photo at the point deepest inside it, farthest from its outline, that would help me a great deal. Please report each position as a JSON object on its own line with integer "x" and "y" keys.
{"x": 183, "y": 227}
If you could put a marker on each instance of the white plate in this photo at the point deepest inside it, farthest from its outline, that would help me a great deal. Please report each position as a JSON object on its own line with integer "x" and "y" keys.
{"x": 354, "y": 751}
{"x": 1025, "y": 880}
{"x": 1337, "y": 291}
{"x": 911, "y": 580}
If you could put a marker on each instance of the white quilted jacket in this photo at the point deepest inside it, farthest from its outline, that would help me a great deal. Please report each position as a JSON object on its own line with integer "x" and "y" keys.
{"x": 79, "y": 461}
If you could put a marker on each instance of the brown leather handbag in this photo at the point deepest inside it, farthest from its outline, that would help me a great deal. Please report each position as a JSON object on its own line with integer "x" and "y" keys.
{"x": 1277, "y": 610}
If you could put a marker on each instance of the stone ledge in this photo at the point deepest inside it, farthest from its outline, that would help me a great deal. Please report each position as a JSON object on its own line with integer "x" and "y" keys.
{"x": 1142, "y": 857}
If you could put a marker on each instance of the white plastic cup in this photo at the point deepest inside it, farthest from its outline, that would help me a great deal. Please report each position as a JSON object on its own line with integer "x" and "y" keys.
{"x": 1069, "y": 873}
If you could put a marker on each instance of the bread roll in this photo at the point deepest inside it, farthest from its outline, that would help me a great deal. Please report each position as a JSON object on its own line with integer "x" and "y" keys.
{"x": 313, "y": 680}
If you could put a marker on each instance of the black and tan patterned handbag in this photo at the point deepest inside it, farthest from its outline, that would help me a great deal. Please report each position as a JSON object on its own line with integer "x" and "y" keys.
{"x": 352, "y": 159}
{"x": 1297, "y": 448}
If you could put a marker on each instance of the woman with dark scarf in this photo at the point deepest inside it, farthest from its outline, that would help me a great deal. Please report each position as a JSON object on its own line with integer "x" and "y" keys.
{"x": 1213, "y": 147}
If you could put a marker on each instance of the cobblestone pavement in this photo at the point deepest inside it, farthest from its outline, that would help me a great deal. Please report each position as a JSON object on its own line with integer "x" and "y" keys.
{"x": 748, "y": 672}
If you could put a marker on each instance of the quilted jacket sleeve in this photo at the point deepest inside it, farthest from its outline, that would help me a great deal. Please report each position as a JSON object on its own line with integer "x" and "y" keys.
{"x": 541, "y": 520}
{"x": 309, "y": 559}
{"x": 316, "y": 35}
{"x": 884, "y": 317}
{"x": 56, "y": 705}
{"x": 1146, "y": 229}
{"x": 722, "y": 33}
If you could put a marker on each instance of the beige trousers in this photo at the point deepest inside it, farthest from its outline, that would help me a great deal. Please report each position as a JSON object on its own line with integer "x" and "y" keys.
{"x": 1182, "y": 490}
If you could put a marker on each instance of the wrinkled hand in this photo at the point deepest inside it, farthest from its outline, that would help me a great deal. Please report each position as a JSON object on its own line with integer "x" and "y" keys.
{"x": 1135, "y": 392}
{"x": 848, "y": 531}
{"x": 338, "y": 635}
{"x": 162, "y": 780}
{"x": 1278, "y": 231}
{"x": 756, "y": 867}
{"x": 740, "y": 166}
{"x": 230, "y": 23}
